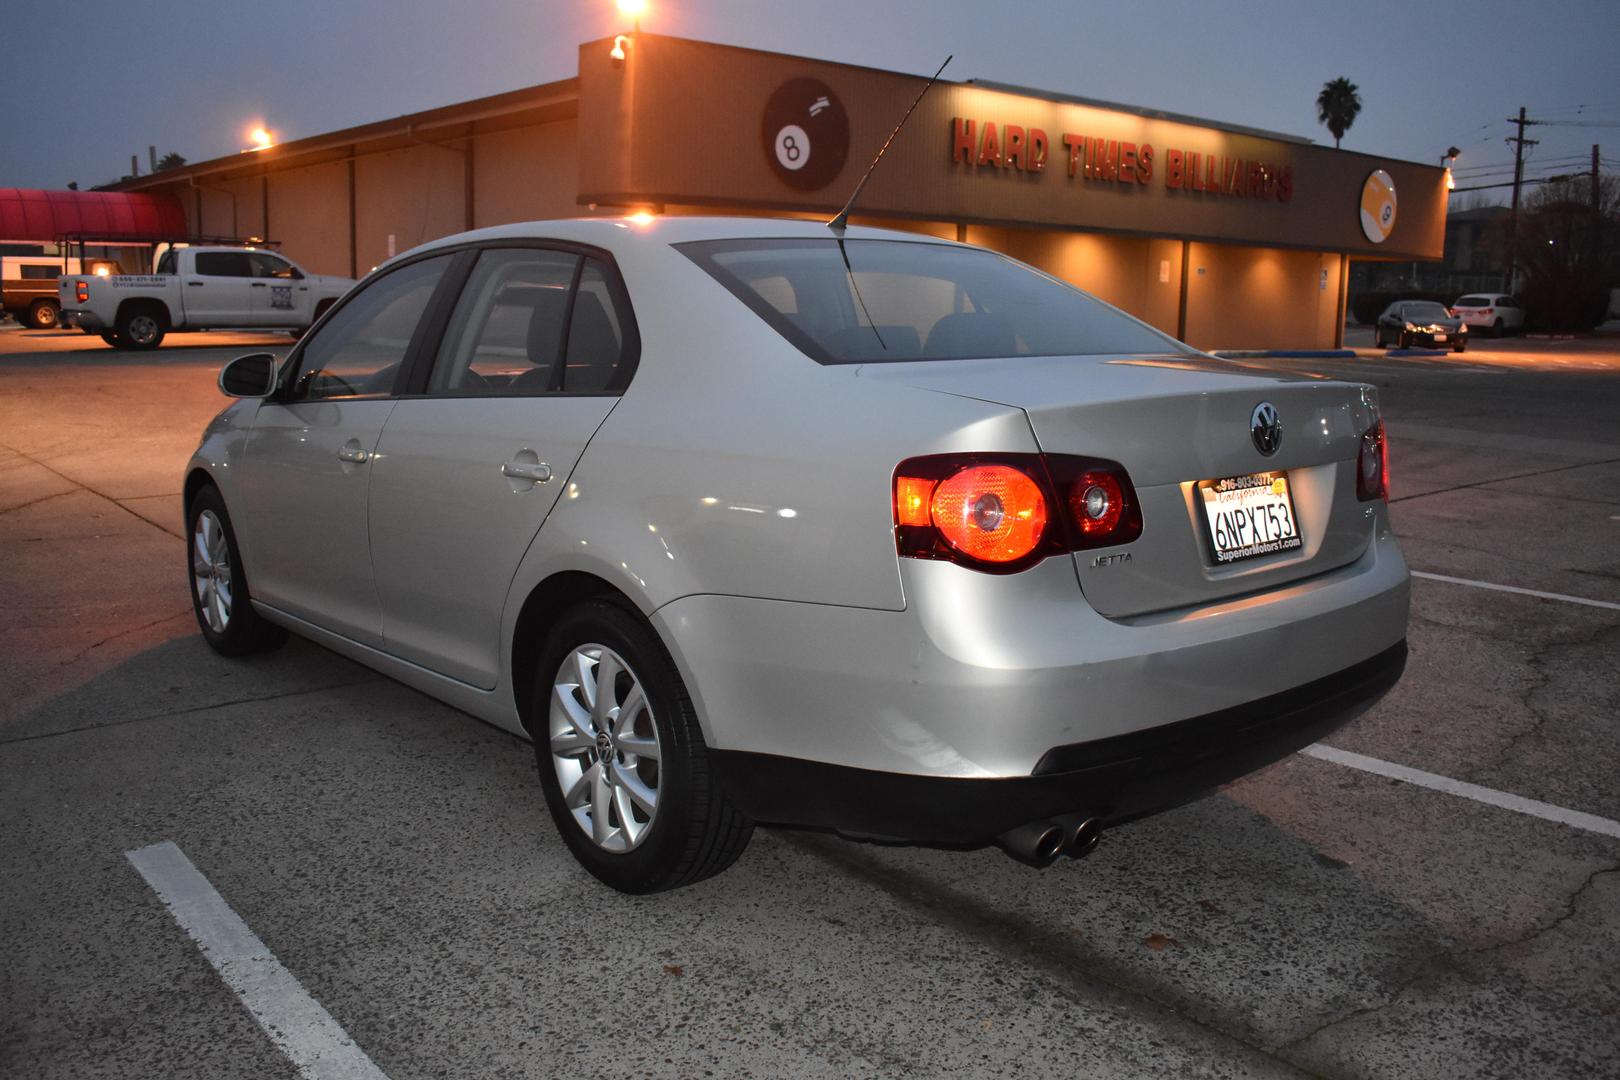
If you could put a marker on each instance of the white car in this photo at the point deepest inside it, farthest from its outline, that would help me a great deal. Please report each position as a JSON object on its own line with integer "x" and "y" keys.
{"x": 748, "y": 521}
{"x": 1497, "y": 313}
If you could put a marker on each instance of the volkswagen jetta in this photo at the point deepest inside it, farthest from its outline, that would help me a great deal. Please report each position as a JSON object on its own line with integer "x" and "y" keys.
{"x": 751, "y": 521}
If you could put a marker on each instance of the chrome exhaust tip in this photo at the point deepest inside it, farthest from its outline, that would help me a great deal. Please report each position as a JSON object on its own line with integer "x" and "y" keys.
{"x": 1037, "y": 843}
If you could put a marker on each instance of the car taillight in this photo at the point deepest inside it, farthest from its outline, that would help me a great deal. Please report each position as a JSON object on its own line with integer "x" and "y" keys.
{"x": 1372, "y": 465}
{"x": 1003, "y": 513}
{"x": 81, "y": 291}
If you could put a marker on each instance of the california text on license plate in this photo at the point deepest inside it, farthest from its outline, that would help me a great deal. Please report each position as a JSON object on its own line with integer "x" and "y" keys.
{"x": 1250, "y": 516}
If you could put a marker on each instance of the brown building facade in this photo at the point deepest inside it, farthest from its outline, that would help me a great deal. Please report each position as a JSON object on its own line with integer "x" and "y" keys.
{"x": 1225, "y": 236}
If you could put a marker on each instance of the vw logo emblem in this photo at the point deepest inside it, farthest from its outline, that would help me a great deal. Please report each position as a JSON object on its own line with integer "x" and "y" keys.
{"x": 1265, "y": 427}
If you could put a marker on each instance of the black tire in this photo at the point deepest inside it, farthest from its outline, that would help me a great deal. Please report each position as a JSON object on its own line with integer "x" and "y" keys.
{"x": 695, "y": 832}
{"x": 44, "y": 315}
{"x": 1461, "y": 346}
{"x": 141, "y": 328}
{"x": 110, "y": 338}
{"x": 1497, "y": 329}
{"x": 1378, "y": 338}
{"x": 243, "y": 631}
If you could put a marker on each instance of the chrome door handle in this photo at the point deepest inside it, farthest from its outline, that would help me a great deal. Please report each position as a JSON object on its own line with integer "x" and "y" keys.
{"x": 539, "y": 472}
{"x": 354, "y": 454}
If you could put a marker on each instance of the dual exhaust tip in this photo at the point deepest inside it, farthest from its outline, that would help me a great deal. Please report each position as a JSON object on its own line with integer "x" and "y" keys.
{"x": 1039, "y": 843}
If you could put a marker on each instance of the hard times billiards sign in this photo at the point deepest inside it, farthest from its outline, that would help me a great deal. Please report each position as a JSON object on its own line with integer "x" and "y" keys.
{"x": 985, "y": 144}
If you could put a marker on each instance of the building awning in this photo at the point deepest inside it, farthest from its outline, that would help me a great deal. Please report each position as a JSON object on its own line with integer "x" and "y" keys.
{"x": 29, "y": 215}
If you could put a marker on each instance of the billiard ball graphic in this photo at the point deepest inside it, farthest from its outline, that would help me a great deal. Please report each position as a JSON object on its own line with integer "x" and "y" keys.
{"x": 1378, "y": 206}
{"x": 806, "y": 133}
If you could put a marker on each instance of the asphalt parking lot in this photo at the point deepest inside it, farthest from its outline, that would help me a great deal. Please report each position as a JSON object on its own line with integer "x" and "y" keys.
{"x": 1332, "y": 916}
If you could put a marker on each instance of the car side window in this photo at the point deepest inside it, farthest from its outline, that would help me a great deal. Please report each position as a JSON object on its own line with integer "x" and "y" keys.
{"x": 506, "y": 334}
{"x": 596, "y": 357}
{"x": 359, "y": 350}
{"x": 269, "y": 266}
{"x": 166, "y": 265}
{"x": 224, "y": 264}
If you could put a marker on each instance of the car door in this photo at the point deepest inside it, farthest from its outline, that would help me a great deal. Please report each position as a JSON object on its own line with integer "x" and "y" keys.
{"x": 279, "y": 292}
{"x": 217, "y": 291}
{"x": 539, "y": 345}
{"x": 309, "y": 458}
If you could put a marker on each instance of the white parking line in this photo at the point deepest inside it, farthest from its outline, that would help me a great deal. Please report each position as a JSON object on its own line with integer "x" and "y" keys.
{"x": 1609, "y": 605}
{"x": 295, "y": 1022}
{"x": 1490, "y": 796}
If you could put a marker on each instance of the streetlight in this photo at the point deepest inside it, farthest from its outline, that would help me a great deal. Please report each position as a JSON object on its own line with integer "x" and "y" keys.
{"x": 261, "y": 137}
{"x": 1450, "y": 156}
{"x": 630, "y": 9}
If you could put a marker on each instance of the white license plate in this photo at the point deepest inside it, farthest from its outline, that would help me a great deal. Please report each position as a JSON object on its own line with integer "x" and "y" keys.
{"x": 1249, "y": 516}
{"x": 1439, "y": 337}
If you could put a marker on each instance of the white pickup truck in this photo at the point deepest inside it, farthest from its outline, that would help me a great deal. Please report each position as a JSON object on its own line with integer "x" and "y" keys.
{"x": 198, "y": 288}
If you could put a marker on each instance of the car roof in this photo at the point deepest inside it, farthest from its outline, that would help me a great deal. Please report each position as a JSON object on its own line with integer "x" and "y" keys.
{"x": 623, "y": 231}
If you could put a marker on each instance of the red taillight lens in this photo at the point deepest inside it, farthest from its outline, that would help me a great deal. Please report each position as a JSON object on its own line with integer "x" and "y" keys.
{"x": 1005, "y": 512}
{"x": 1372, "y": 465}
{"x": 81, "y": 291}
{"x": 993, "y": 513}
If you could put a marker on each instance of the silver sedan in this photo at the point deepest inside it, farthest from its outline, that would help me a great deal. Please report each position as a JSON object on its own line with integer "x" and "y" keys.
{"x": 743, "y": 520}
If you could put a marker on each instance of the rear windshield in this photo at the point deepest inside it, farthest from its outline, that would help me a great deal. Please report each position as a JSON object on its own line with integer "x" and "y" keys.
{"x": 1474, "y": 301}
{"x": 1424, "y": 311}
{"x": 898, "y": 300}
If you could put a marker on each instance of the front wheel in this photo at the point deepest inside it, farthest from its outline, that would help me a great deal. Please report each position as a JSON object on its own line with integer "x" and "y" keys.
{"x": 219, "y": 589}
{"x": 1461, "y": 346}
{"x": 1378, "y": 338}
{"x": 44, "y": 315}
{"x": 622, "y": 761}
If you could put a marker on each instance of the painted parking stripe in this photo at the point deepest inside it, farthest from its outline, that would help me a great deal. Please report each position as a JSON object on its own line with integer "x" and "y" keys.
{"x": 1491, "y": 585}
{"x": 299, "y": 1026}
{"x": 1490, "y": 796}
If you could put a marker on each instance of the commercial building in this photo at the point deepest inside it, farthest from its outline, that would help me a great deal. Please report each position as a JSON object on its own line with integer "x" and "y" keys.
{"x": 1226, "y": 236}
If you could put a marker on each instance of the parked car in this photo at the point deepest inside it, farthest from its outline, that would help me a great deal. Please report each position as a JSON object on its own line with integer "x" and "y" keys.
{"x": 1496, "y": 312}
{"x": 199, "y": 288}
{"x": 738, "y": 531}
{"x": 28, "y": 289}
{"x": 1408, "y": 323}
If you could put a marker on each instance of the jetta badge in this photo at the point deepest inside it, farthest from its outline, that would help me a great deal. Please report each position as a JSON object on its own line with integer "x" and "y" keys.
{"x": 1265, "y": 427}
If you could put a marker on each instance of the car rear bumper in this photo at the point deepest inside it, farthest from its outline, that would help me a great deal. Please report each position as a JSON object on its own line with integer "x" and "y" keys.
{"x": 982, "y": 676}
{"x": 88, "y": 321}
{"x": 1113, "y": 779}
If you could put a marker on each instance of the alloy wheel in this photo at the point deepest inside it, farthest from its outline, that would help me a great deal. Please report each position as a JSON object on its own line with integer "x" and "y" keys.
{"x": 211, "y": 571}
{"x": 143, "y": 329}
{"x": 604, "y": 747}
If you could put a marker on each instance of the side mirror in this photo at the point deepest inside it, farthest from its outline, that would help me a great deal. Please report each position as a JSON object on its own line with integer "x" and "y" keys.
{"x": 250, "y": 376}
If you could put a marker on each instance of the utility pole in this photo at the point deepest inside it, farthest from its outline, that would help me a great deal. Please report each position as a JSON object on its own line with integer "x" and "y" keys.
{"x": 1519, "y": 143}
{"x": 1595, "y": 237}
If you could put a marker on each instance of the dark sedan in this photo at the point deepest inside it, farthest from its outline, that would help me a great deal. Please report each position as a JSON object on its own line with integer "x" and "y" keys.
{"x": 1406, "y": 323}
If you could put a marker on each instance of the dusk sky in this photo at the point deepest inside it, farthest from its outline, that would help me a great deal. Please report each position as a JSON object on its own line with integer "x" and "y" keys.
{"x": 191, "y": 76}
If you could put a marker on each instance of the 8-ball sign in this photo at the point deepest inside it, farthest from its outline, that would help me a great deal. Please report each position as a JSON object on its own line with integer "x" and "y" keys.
{"x": 806, "y": 133}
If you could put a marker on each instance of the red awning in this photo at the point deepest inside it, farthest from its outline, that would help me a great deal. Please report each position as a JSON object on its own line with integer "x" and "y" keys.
{"x": 31, "y": 216}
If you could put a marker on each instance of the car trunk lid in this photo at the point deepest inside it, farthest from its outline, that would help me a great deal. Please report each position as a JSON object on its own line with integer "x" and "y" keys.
{"x": 1174, "y": 422}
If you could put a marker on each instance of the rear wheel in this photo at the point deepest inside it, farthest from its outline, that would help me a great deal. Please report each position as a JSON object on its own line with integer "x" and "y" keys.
{"x": 623, "y": 764}
{"x": 44, "y": 315}
{"x": 141, "y": 328}
{"x": 1496, "y": 327}
{"x": 219, "y": 588}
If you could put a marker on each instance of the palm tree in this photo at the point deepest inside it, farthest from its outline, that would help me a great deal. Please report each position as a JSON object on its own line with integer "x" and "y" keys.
{"x": 1337, "y": 106}
{"x": 169, "y": 161}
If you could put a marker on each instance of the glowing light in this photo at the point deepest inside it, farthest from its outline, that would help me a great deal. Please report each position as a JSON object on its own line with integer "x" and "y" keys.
{"x": 632, "y": 9}
{"x": 261, "y": 137}
{"x": 617, "y": 52}
{"x": 1451, "y": 181}
{"x": 103, "y": 271}
{"x": 641, "y": 217}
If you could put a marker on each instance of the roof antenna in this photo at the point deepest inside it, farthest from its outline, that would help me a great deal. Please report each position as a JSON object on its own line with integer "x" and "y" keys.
{"x": 837, "y": 224}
